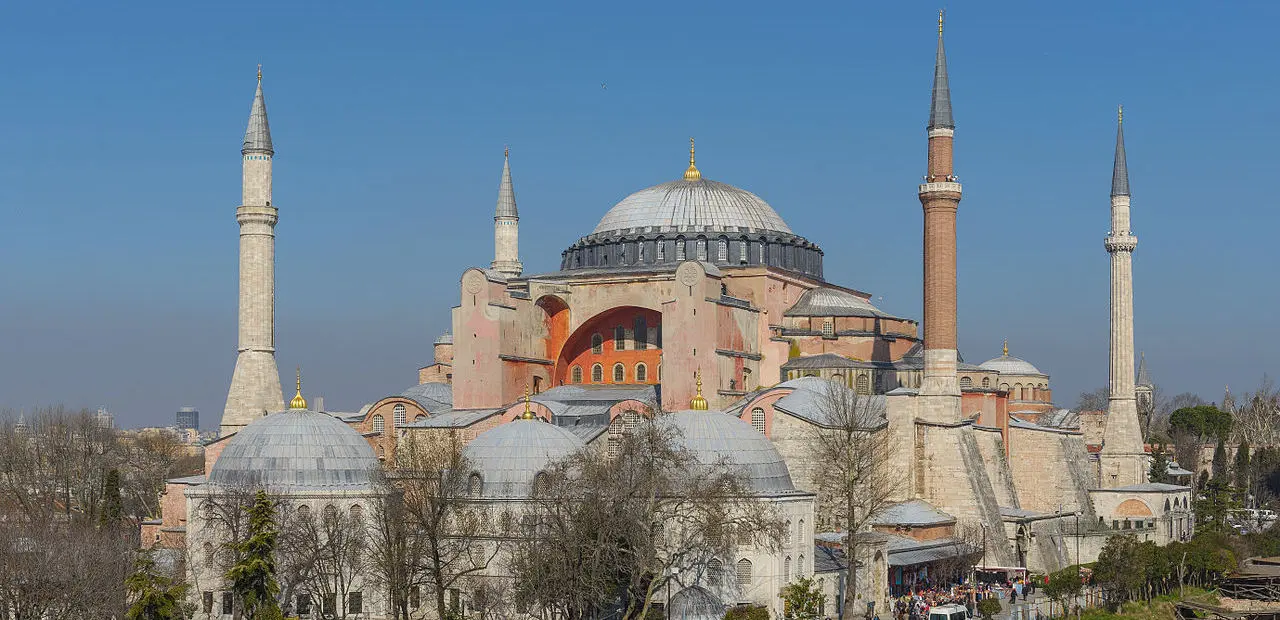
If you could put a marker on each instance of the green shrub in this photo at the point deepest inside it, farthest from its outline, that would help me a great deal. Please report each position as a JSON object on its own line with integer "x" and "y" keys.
{"x": 988, "y": 607}
{"x": 747, "y": 612}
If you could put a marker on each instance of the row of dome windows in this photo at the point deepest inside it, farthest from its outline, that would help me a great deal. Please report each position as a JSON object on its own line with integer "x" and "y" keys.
{"x": 741, "y": 251}
{"x": 398, "y": 416}
{"x": 619, "y": 373}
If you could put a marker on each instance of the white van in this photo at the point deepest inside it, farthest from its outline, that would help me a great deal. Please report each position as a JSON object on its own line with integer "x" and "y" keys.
{"x": 948, "y": 612}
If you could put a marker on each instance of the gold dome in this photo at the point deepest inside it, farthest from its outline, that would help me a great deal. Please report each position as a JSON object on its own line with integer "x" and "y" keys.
{"x": 691, "y": 173}
{"x": 298, "y": 401}
{"x": 698, "y": 403}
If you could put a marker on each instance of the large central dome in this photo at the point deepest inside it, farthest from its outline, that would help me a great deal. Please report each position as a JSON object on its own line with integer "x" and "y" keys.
{"x": 685, "y": 205}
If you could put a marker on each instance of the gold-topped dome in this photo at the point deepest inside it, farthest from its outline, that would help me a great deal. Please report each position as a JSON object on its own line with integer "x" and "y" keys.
{"x": 528, "y": 413}
{"x": 698, "y": 403}
{"x": 692, "y": 173}
{"x": 298, "y": 401}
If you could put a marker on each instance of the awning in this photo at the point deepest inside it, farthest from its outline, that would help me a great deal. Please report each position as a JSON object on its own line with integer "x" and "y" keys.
{"x": 925, "y": 554}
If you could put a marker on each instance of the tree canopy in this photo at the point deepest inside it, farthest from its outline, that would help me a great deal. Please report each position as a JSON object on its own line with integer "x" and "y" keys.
{"x": 1203, "y": 421}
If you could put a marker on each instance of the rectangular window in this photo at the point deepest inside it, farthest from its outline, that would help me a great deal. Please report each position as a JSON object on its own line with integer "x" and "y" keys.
{"x": 355, "y": 603}
{"x": 619, "y": 338}
{"x": 415, "y": 597}
{"x": 722, "y": 251}
{"x": 742, "y": 251}
{"x": 207, "y": 600}
{"x": 679, "y": 249}
{"x": 304, "y": 604}
{"x": 661, "y": 250}
{"x": 226, "y": 603}
{"x": 642, "y": 334}
{"x": 330, "y": 604}
{"x": 702, "y": 249}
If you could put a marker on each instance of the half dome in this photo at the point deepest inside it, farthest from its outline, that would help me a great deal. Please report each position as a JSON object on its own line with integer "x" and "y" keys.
{"x": 699, "y": 204}
{"x": 296, "y": 451}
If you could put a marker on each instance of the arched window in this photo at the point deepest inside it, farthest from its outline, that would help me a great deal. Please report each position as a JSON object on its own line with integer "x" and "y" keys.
{"x": 722, "y": 250}
{"x": 619, "y": 338}
{"x": 680, "y": 248}
{"x": 419, "y": 417}
{"x": 540, "y": 483}
{"x": 597, "y": 344}
{"x": 786, "y": 536}
{"x": 786, "y": 569}
{"x": 382, "y": 452}
{"x": 986, "y": 382}
{"x": 642, "y": 373}
{"x": 800, "y": 533}
{"x": 576, "y": 374}
{"x": 764, "y": 252}
{"x": 966, "y": 382}
{"x": 210, "y": 557}
{"x": 800, "y": 565}
{"x": 864, "y": 384}
{"x": 378, "y": 423}
{"x": 619, "y": 373}
{"x": 640, "y": 251}
{"x": 757, "y": 419}
{"x": 357, "y": 513}
{"x": 744, "y": 574}
{"x": 702, "y": 248}
{"x": 475, "y": 484}
{"x": 742, "y": 251}
{"x": 1017, "y": 391}
{"x": 1004, "y": 387}
{"x": 330, "y": 513}
{"x": 661, "y": 250}
{"x": 597, "y": 374}
{"x": 715, "y": 570}
{"x": 398, "y": 414}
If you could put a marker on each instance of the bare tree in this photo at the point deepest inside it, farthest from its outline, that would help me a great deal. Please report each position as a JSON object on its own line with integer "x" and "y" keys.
{"x": 1093, "y": 401}
{"x": 856, "y": 480}
{"x": 1256, "y": 418}
{"x": 607, "y": 529}
{"x": 322, "y": 555}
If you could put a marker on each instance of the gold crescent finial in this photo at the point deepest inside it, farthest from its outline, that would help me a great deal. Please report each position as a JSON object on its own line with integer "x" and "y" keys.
{"x": 298, "y": 401}
{"x": 506, "y": 151}
{"x": 698, "y": 403}
{"x": 941, "y": 17}
{"x": 1120, "y": 114}
{"x": 528, "y": 413}
{"x": 259, "y": 72}
{"x": 692, "y": 173}
{"x": 1006, "y": 347}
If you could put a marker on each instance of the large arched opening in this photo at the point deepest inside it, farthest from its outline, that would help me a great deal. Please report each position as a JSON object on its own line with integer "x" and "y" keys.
{"x": 626, "y": 339}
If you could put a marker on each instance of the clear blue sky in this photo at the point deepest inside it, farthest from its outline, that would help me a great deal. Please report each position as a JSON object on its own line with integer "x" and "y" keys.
{"x": 120, "y": 131}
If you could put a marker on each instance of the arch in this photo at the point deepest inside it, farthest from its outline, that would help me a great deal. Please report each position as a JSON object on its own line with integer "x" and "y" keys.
{"x": 966, "y": 382}
{"x": 786, "y": 570}
{"x": 660, "y": 250}
{"x": 1004, "y": 387}
{"x": 757, "y": 419}
{"x": 1133, "y": 507}
{"x": 420, "y": 417}
{"x": 357, "y": 513}
{"x": 597, "y": 344}
{"x": 619, "y": 373}
{"x": 715, "y": 570}
{"x": 210, "y": 555}
{"x": 330, "y": 513}
{"x": 1166, "y": 504}
{"x": 382, "y": 452}
{"x": 642, "y": 373}
{"x": 475, "y": 484}
{"x": 576, "y": 374}
{"x": 722, "y": 250}
{"x": 743, "y": 574}
{"x": 597, "y": 373}
{"x": 541, "y": 481}
{"x": 556, "y": 322}
{"x": 864, "y": 384}
{"x": 701, "y": 248}
{"x": 379, "y": 424}
{"x": 617, "y": 324}
{"x": 786, "y": 535}
{"x": 1017, "y": 391}
{"x": 398, "y": 415}
{"x": 986, "y": 382}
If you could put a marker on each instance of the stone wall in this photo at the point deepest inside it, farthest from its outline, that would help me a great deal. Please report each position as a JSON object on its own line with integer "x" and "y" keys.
{"x": 1048, "y": 469}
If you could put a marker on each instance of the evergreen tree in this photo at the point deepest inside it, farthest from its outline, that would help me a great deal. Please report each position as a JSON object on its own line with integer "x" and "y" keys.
{"x": 1242, "y": 470}
{"x": 154, "y": 596}
{"x": 802, "y": 599}
{"x": 112, "y": 504}
{"x": 253, "y": 578}
{"x": 1159, "y": 464}
{"x": 1220, "y": 472}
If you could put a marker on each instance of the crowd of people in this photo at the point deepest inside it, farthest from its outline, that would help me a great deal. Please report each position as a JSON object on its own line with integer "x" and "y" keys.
{"x": 917, "y": 601}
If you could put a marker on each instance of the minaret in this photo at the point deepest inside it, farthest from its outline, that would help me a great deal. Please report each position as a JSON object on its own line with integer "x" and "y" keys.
{"x": 1123, "y": 459}
{"x": 506, "y": 225}
{"x": 255, "y": 384}
{"x": 940, "y": 197}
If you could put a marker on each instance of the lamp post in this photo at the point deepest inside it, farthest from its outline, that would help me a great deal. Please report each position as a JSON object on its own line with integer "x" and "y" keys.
{"x": 984, "y": 547}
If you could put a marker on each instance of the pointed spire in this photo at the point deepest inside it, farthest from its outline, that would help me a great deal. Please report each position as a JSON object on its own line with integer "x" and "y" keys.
{"x": 699, "y": 403}
{"x": 940, "y": 110}
{"x": 257, "y": 138}
{"x": 1144, "y": 378}
{"x": 691, "y": 173}
{"x": 1120, "y": 171}
{"x": 506, "y": 193}
{"x": 528, "y": 413}
{"x": 298, "y": 401}
{"x": 1006, "y": 348}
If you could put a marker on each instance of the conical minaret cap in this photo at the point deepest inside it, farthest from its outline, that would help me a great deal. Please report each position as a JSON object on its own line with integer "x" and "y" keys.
{"x": 1120, "y": 170}
{"x": 1144, "y": 378}
{"x": 940, "y": 108}
{"x": 257, "y": 138}
{"x": 506, "y": 193}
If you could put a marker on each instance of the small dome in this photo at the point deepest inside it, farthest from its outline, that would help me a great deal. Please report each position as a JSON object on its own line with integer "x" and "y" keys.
{"x": 296, "y": 450}
{"x": 697, "y": 603}
{"x": 832, "y": 302}
{"x": 445, "y": 338}
{"x": 712, "y": 435}
{"x": 434, "y": 397}
{"x": 1009, "y": 365}
{"x": 509, "y": 456}
{"x": 693, "y": 205}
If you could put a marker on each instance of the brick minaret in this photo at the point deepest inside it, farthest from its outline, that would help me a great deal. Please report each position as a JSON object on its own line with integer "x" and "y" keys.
{"x": 1123, "y": 459}
{"x": 506, "y": 225}
{"x": 255, "y": 384}
{"x": 940, "y": 197}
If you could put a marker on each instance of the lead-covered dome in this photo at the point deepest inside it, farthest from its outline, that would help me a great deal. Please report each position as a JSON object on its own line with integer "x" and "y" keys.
{"x": 712, "y": 436}
{"x": 296, "y": 450}
{"x": 1009, "y": 365}
{"x": 700, "y": 204}
{"x": 505, "y": 460}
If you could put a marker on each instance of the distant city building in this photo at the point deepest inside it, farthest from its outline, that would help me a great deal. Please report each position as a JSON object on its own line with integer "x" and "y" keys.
{"x": 188, "y": 418}
{"x": 104, "y": 418}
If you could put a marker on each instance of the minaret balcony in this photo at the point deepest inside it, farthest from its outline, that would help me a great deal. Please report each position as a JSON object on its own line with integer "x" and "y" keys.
{"x": 940, "y": 187}
{"x": 1120, "y": 243}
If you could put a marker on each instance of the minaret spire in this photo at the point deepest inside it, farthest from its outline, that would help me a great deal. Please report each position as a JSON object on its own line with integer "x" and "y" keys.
{"x": 940, "y": 108}
{"x": 257, "y": 137}
{"x": 506, "y": 224}
{"x": 1120, "y": 169}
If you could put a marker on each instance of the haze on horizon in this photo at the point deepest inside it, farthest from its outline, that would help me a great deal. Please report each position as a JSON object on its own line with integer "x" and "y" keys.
{"x": 120, "y": 174}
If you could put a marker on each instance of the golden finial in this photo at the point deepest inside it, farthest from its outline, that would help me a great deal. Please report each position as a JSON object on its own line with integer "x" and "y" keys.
{"x": 528, "y": 414}
{"x": 941, "y": 16}
{"x": 259, "y": 72}
{"x": 506, "y": 151}
{"x": 298, "y": 401}
{"x": 1006, "y": 347}
{"x": 692, "y": 173}
{"x": 698, "y": 403}
{"x": 1120, "y": 114}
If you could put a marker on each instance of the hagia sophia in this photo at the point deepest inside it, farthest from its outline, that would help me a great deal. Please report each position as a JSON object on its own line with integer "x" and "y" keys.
{"x": 694, "y": 302}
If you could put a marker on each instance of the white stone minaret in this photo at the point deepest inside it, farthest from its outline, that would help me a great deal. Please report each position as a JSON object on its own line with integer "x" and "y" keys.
{"x": 255, "y": 384}
{"x": 1123, "y": 459}
{"x": 506, "y": 225}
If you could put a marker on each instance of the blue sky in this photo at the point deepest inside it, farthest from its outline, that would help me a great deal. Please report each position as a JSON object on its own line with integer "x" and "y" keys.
{"x": 120, "y": 130}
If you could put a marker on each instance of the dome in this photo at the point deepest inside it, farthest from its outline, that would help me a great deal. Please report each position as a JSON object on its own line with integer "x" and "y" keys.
{"x": 1009, "y": 365}
{"x": 699, "y": 204}
{"x": 697, "y": 603}
{"x": 434, "y": 397}
{"x": 712, "y": 435}
{"x": 509, "y": 456}
{"x": 832, "y": 302}
{"x": 296, "y": 450}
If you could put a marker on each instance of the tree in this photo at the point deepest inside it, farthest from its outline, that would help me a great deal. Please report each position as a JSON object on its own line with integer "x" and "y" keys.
{"x": 112, "y": 504}
{"x": 154, "y": 595}
{"x": 253, "y": 577}
{"x": 1213, "y": 510}
{"x": 802, "y": 600}
{"x": 1093, "y": 401}
{"x": 1243, "y": 470}
{"x": 856, "y": 481}
{"x": 1120, "y": 570}
{"x": 1159, "y": 465}
{"x": 322, "y": 554}
{"x": 1063, "y": 585}
{"x": 988, "y": 607}
{"x": 1219, "y": 469}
